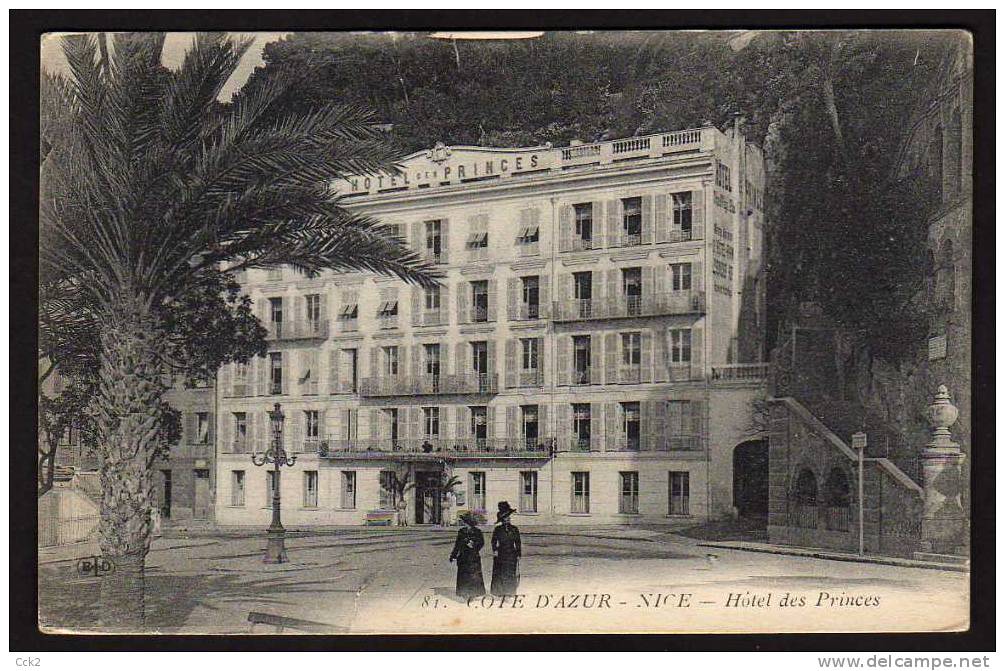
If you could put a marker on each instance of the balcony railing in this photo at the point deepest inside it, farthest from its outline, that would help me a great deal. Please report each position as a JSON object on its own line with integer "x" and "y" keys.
{"x": 677, "y": 443}
{"x": 581, "y": 376}
{"x": 427, "y": 385}
{"x": 530, "y": 378}
{"x": 740, "y": 372}
{"x": 333, "y": 448}
{"x": 432, "y": 318}
{"x": 650, "y": 146}
{"x": 525, "y": 312}
{"x": 651, "y": 305}
{"x": 298, "y": 330}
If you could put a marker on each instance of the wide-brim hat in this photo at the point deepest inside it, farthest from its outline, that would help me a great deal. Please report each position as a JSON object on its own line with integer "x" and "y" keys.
{"x": 505, "y": 510}
{"x": 468, "y": 518}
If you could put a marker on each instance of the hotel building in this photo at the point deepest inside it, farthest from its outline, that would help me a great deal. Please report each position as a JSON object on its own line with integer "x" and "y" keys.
{"x": 591, "y": 354}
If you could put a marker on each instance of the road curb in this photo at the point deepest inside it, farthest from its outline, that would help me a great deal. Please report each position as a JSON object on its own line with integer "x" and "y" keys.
{"x": 766, "y": 548}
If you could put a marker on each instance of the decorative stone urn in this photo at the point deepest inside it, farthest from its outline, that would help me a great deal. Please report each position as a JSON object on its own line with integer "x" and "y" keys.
{"x": 943, "y": 522}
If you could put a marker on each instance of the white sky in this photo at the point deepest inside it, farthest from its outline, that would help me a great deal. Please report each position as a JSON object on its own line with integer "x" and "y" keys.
{"x": 175, "y": 46}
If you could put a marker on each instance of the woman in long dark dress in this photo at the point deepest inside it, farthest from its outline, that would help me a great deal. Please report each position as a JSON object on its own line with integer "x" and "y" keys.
{"x": 506, "y": 552}
{"x": 466, "y": 551}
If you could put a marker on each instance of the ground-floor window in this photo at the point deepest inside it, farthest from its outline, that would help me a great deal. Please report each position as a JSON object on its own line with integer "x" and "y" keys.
{"x": 237, "y": 488}
{"x": 528, "y": 491}
{"x": 310, "y": 489}
{"x": 580, "y": 492}
{"x": 628, "y": 502}
{"x": 349, "y": 489}
{"x": 679, "y": 490}
{"x": 477, "y": 487}
{"x": 387, "y": 490}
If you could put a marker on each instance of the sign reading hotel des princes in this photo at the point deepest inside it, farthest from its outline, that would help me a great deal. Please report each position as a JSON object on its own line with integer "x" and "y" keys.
{"x": 442, "y": 165}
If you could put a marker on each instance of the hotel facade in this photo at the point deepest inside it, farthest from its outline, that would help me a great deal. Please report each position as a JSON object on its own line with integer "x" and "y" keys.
{"x": 591, "y": 355}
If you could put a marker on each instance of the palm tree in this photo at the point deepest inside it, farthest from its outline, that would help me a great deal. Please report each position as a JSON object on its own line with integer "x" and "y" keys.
{"x": 155, "y": 186}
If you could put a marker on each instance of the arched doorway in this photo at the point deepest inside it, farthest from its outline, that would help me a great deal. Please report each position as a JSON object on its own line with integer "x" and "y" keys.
{"x": 805, "y": 496}
{"x": 750, "y": 480}
{"x": 838, "y": 501}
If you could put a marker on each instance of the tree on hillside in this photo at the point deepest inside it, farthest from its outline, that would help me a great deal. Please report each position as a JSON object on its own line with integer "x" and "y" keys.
{"x": 156, "y": 196}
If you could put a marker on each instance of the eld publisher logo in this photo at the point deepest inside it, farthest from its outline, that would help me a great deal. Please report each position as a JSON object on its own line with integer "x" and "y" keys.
{"x": 95, "y": 566}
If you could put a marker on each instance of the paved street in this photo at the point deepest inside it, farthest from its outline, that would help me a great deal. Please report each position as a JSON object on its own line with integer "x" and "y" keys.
{"x": 612, "y": 580}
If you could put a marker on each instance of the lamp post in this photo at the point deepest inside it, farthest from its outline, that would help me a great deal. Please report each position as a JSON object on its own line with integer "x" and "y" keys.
{"x": 275, "y": 551}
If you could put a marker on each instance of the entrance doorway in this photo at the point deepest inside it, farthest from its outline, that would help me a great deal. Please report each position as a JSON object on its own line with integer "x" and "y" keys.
{"x": 428, "y": 505}
{"x": 750, "y": 480}
{"x": 200, "y": 506}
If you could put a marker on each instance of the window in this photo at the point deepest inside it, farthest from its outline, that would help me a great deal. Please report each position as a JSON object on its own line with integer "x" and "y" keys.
{"x": 390, "y": 360}
{"x": 276, "y": 315}
{"x": 387, "y": 309}
{"x": 632, "y": 220}
{"x": 202, "y": 427}
{"x": 310, "y": 489}
{"x": 240, "y": 430}
{"x": 479, "y": 425}
{"x": 531, "y": 296}
{"x": 480, "y": 360}
{"x": 480, "y": 301}
{"x": 431, "y": 422}
{"x": 275, "y": 372}
{"x": 529, "y": 425}
{"x": 631, "y": 349}
{"x": 270, "y": 487}
{"x": 581, "y": 359}
{"x": 628, "y": 502}
{"x": 580, "y": 492}
{"x": 348, "y": 499}
{"x": 680, "y": 345}
{"x": 680, "y": 276}
{"x": 529, "y": 235}
{"x": 476, "y": 483}
{"x": 432, "y": 354}
{"x": 350, "y": 369}
{"x": 237, "y": 488}
{"x": 528, "y": 491}
{"x": 312, "y": 428}
{"x": 529, "y": 349}
{"x": 584, "y": 225}
{"x": 434, "y": 240}
{"x": 682, "y": 423}
{"x": 722, "y": 177}
{"x": 630, "y": 425}
{"x": 679, "y": 489}
{"x": 312, "y": 302}
{"x": 581, "y": 426}
{"x": 682, "y": 213}
{"x": 478, "y": 240}
{"x": 350, "y": 307}
{"x": 631, "y": 286}
{"x": 432, "y": 299}
{"x": 387, "y": 494}
{"x": 391, "y": 423}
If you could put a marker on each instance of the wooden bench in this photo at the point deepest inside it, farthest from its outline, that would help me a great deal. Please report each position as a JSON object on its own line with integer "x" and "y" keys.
{"x": 379, "y": 518}
{"x": 279, "y": 623}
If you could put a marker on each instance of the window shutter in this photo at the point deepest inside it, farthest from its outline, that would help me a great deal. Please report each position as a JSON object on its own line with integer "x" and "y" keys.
{"x": 598, "y": 224}
{"x": 415, "y": 430}
{"x": 315, "y": 363}
{"x": 323, "y": 301}
{"x": 375, "y": 371}
{"x": 563, "y": 425}
{"x": 253, "y": 431}
{"x": 462, "y": 425}
{"x": 660, "y": 373}
{"x": 698, "y": 214}
{"x": 698, "y": 424}
{"x": 444, "y": 240}
{"x": 211, "y": 427}
{"x": 286, "y": 374}
{"x": 415, "y": 359}
{"x": 374, "y": 423}
{"x": 462, "y": 360}
{"x": 513, "y": 298}
{"x": 542, "y": 367}
{"x": 303, "y": 384}
{"x": 565, "y": 228}
{"x": 660, "y": 283}
{"x": 353, "y": 415}
{"x": 649, "y": 425}
{"x": 614, "y": 223}
{"x": 648, "y": 281}
{"x": 647, "y": 356}
{"x": 544, "y": 298}
{"x": 564, "y": 359}
{"x": 697, "y": 276}
{"x": 190, "y": 427}
{"x": 697, "y": 347}
{"x": 493, "y": 299}
{"x": 596, "y": 427}
{"x": 223, "y": 379}
{"x": 611, "y": 354}
{"x": 512, "y": 428}
{"x": 463, "y": 289}
{"x": 490, "y": 347}
{"x": 402, "y": 362}
{"x": 511, "y": 362}
{"x": 263, "y": 375}
{"x": 226, "y": 431}
{"x": 444, "y": 312}
{"x": 567, "y": 288}
{"x": 417, "y": 305}
{"x": 490, "y": 424}
{"x": 612, "y": 418}
{"x": 612, "y": 291}
{"x": 417, "y": 240}
{"x": 647, "y": 219}
{"x": 299, "y": 309}
{"x": 596, "y": 282}
{"x": 323, "y": 424}
{"x": 333, "y": 372}
{"x": 660, "y": 216}
{"x": 543, "y": 430}
{"x": 596, "y": 358}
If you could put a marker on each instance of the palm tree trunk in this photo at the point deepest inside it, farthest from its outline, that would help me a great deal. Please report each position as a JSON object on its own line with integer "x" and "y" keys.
{"x": 129, "y": 392}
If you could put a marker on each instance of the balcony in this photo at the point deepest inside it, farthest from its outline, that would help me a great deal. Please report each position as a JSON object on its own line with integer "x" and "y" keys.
{"x": 430, "y": 385}
{"x": 308, "y": 329}
{"x": 581, "y": 376}
{"x": 435, "y": 448}
{"x": 754, "y": 373}
{"x": 524, "y": 312}
{"x": 650, "y": 146}
{"x": 621, "y": 307}
{"x": 676, "y": 443}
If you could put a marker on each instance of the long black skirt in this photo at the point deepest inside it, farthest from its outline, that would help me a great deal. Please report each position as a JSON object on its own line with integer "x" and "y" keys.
{"x": 469, "y": 577}
{"x": 505, "y": 575}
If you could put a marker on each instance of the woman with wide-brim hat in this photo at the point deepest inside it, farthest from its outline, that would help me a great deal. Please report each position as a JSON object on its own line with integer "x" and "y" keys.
{"x": 467, "y": 552}
{"x": 506, "y": 553}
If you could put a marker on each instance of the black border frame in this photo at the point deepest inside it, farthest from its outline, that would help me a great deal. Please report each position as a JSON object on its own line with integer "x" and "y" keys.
{"x": 26, "y": 27}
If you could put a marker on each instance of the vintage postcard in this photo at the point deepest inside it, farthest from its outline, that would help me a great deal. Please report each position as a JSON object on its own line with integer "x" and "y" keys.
{"x": 505, "y": 332}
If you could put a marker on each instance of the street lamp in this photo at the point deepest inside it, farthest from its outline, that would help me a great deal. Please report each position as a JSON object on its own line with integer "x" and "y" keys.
{"x": 275, "y": 551}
